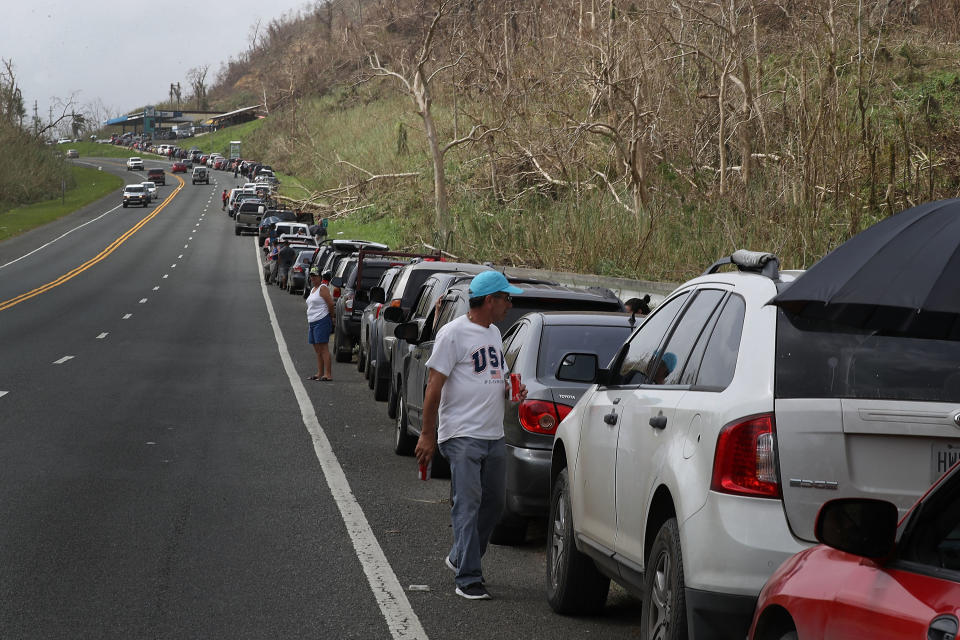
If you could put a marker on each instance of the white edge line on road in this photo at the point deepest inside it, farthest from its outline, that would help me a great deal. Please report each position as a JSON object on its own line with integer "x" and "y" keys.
{"x": 44, "y": 246}
{"x": 394, "y": 605}
{"x": 3, "y": 393}
{"x": 63, "y": 359}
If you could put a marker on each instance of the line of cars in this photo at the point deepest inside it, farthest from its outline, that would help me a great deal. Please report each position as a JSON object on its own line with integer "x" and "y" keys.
{"x": 689, "y": 455}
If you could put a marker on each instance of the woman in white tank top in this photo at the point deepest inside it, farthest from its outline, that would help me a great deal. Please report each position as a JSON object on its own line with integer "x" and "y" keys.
{"x": 320, "y": 314}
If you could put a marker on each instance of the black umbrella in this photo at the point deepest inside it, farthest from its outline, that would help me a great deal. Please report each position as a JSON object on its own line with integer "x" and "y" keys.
{"x": 901, "y": 275}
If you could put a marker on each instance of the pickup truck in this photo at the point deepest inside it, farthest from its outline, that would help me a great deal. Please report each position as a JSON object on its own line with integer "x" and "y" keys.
{"x": 134, "y": 164}
{"x": 157, "y": 176}
{"x": 248, "y": 216}
{"x": 135, "y": 194}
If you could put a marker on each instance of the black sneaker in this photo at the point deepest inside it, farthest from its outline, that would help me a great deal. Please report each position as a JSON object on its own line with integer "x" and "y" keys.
{"x": 475, "y": 591}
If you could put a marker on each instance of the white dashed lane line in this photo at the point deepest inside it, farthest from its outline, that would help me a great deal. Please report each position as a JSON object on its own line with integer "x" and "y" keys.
{"x": 156, "y": 288}
{"x": 3, "y": 393}
{"x": 102, "y": 336}
{"x": 63, "y": 359}
{"x": 166, "y": 275}
{"x": 143, "y": 301}
{"x": 128, "y": 316}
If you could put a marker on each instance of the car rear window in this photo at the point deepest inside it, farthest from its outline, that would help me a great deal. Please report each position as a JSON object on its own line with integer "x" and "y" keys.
{"x": 371, "y": 276}
{"x": 822, "y": 359}
{"x": 525, "y": 304}
{"x": 562, "y": 339}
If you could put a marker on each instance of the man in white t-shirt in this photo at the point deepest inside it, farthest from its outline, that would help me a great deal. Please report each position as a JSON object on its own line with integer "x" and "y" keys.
{"x": 466, "y": 390}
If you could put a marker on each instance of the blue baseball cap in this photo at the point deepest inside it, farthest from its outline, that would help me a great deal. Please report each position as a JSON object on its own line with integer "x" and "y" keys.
{"x": 487, "y": 282}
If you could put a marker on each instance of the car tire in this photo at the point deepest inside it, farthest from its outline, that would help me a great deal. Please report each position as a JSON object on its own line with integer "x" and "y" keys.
{"x": 403, "y": 442}
{"x": 381, "y": 384}
{"x": 392, "y": 401}
{"x": 361, "y": 358}
{"x": 339, "y": 341}
{"x": 511, "y": 531}
{"x": 124, "y": 205}
{"x": 664, "y": 609}
{"x": 369, "y": 372}
{"x": 574, "y": 585}
{"x": 236, "y": 230}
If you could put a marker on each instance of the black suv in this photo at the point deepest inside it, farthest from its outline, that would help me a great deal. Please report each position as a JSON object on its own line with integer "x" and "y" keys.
{"x": 536, "y": 296}
{"x": 321, "y": 258}
{"x": 403, "y": 293}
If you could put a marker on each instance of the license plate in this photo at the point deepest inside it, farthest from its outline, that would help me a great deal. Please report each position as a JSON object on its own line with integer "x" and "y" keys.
{"x": 944, "y": 456}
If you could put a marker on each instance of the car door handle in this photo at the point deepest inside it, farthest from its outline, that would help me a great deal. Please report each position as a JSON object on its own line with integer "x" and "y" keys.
{"x": 610, "y": 418}
{"x": 659, "y": 421}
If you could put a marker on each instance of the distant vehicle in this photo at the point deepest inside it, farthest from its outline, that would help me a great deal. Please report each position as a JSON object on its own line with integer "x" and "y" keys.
{"x": 72, "y": 153}
{"x": 134, "y": 164}
{"x": 248, "y": 216}
{"x": 158, "y": 176}
{"x": 200, "y": 175}
{"x": 151, "y": 188}
{"x": 178, "y": 167}
{"x": 135, "y": 194}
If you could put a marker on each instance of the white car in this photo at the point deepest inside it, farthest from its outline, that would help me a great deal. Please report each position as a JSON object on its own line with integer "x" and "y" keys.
{"x": 134, "y": 164}
{"x": 151, "y": 188}
{"x": 697, "y": 464}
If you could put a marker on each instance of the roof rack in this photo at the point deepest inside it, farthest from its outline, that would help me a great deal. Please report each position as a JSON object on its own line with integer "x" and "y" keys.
{"x": 765, "y": 264}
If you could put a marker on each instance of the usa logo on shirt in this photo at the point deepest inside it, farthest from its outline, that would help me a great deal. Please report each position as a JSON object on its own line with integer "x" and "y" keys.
{"x": 487, "y": 358}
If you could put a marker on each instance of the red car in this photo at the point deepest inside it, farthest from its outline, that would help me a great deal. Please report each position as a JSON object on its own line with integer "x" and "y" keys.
{"x": 871, "y": 577}
{"x": 178, "y": 167}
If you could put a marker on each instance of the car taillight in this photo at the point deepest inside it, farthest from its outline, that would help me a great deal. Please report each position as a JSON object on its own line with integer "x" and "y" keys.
{"x": 542, "y": 416}
{"x": 745, "y": 462}
{"x": 336, "y": 292}
{"x": 298, "y": 269}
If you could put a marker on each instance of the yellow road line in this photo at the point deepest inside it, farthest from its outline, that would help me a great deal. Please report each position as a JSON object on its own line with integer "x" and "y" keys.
{"x": 110, "y": 248}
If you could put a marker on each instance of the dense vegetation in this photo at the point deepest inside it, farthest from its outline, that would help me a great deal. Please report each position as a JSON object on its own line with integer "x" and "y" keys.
{"x": 626, "y": 137}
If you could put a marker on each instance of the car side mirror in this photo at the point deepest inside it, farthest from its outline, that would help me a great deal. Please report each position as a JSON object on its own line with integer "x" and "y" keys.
{"x": 861, "y": 526}
{"x": 392, "y": 314}
{"x": 336, "y": 282}
{"x": 578, "y": 367}
{"x": 408, "y": 331}
{"x": 377, "y": 294}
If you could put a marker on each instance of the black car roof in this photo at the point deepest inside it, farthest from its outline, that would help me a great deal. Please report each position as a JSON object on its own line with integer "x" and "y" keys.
{"x": 604, "y": 318}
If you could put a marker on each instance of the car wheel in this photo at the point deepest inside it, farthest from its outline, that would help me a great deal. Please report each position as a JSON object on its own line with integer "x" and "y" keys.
{"x": 403, "y": 442}
{"x": 574, "y": 585}
{"x": 381, "y": 384}
{"x": 392, "y": 401}
{"x": 124, "y": 205}
{"x": 236, "y": 230}
{"x": 342, "y": 347}
{"x": 369, "y": 372}
{"x": 664, "y": 609}
{"x": 511, "y": 531}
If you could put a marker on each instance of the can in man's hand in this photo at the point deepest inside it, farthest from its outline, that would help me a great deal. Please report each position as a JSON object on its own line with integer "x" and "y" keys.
{"x": 514, "y": 387}
{"x": 423, "y": 471}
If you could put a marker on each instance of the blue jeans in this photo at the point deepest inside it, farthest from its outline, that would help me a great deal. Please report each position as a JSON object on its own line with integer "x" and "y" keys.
{"x": 478, "y": 473}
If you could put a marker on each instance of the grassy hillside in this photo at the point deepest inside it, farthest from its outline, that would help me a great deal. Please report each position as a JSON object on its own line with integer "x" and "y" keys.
{"x": 89, "y": 185}
{"x": 624, "y": 138}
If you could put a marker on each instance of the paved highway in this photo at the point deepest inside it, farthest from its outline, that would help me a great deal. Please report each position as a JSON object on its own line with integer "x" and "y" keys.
{"x": 166, "y": 471}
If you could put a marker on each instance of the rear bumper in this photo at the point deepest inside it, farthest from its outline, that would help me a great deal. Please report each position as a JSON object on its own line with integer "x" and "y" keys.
{"x": 718, "y": 616}
{"x": 528, "y": 481}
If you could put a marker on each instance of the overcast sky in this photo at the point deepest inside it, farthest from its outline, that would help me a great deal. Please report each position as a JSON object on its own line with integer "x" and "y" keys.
{"x": 124, "y": 53}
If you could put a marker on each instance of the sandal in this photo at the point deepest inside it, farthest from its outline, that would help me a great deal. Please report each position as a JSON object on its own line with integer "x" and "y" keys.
{"x": 325, "y": 379}
{"x": 314, "y": 378}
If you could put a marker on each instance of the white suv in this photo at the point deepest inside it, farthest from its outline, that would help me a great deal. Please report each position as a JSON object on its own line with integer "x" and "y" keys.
{"x": 698, "y": 463}
{"x": 134, "y": 164}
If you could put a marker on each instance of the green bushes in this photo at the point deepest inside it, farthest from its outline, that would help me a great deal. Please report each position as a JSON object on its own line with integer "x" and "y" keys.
{"x": 29, "y": 170}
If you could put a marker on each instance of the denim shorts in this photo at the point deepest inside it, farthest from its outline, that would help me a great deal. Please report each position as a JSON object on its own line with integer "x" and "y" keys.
{"x": 319, "y": 332}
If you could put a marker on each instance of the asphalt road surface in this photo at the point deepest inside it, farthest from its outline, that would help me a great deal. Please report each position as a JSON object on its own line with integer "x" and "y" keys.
{"x": 166, "y": 471}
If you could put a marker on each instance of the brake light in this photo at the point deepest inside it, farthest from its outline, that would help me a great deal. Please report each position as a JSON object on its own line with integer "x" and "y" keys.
{"x": 542, "y": 416}
{"x": 745, "y": 462}
{"x": 298, "y": 269}
{"x": 336, "y": 292}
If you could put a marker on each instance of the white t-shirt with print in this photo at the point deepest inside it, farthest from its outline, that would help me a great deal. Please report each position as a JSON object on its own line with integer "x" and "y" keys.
{"x": 472, "y": 401}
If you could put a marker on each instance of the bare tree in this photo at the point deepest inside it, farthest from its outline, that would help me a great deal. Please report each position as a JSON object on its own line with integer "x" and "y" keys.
{"x": 416, "y": 76}
{"x": 198, "y": 82}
